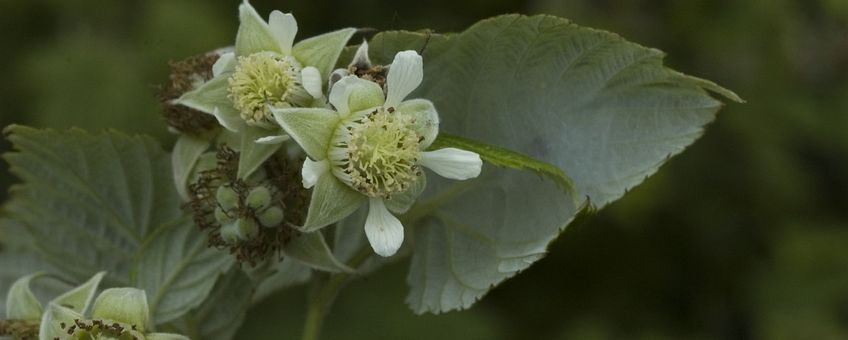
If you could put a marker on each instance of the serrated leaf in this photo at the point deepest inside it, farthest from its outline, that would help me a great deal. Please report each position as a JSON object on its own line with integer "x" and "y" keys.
{"x": 603, "y": 110}
{"x": 220, "y": 316}
{"x": 284, "y": 274}
{"x": 93, "y": 202}
{"x": 178, "y": 270}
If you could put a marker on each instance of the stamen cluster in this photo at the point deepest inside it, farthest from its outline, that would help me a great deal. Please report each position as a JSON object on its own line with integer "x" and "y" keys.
{"x": 263, "y": 79}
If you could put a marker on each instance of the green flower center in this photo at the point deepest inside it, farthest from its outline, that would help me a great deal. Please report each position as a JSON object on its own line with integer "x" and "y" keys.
{"x": 377, "y": 153}
{"x": 263, "y": 79}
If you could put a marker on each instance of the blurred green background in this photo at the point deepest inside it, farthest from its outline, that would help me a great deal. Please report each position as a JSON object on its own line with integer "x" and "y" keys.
{"x": 744, "y": 236}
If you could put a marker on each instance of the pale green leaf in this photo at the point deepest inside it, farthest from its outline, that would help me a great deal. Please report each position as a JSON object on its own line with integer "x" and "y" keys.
{"x": 603, "y": 110}
{"x": 90, "y": 200}
{"x": 93, "y": 202}
{"x": 223, "y": 311}
{"x": 178, "y": 270}
{"x": 311, "y": 249}
{"x": 209, "y": 96}
{"x": 284, "y": 274}
{"x": 322, "y": 51}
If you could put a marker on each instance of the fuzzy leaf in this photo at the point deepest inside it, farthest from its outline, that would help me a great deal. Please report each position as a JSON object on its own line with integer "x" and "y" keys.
{"x": 599, "y": 108}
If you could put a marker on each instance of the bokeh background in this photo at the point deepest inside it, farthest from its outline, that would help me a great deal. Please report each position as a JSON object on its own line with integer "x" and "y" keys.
{"x": 744, "y": 236}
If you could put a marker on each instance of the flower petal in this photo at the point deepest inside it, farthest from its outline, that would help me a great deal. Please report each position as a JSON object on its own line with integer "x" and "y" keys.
{"x": 272, "y": 140}
{"x": 311, "y": 128}
{"x": 126, "y": 305}
{"x": 254, "y": 35}
{"x": 331, "y": 201}
{"x": 384, "y": 230}
{"x": 225, "y": 63}
{"x": 426, "y": 119}
{"x": 312, "y": 171}
{"x": 21, "y": 303}
{"x": 51, "y": 322}
{"x": 283, "y": 27}
{"x": 337, "y": 75}
{"x": 453, "y": 163}
{"x": 405, "y": 74}
{"x": 322, "y": 51}
{"x": 400, "y": 203}
{"x": 79, "y": 299}
{"x": 311, "y": 79}
{"x": 352, "y": 94}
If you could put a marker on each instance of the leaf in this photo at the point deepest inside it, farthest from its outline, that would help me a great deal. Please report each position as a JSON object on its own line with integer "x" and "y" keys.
{"x": 93, "y": 202}
{"x": 284, "y": 274}
{"x": 90, "y": 200}
{"x": 220, "y": 316}
{"x": 506, "y": 158}
{"x": 603, "y": 110}
{"x": 178, "y": 270}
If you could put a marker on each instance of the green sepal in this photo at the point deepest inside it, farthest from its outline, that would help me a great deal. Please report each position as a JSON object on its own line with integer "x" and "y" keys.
{"x": 311, "y": 128}
{"x": 312, "y": 250}
{"x": 212, "y": 94}
{"x": 254, "y": 154}
{"x": 254, "y": 35}
{"x": 331, "y": 201}
{"x": 79, "y": 299}
{"x": 125, "y": 305}
{"x": 21, "y": 303}
{"x": 186, "y": 154}
{"x": 322, "y": 51}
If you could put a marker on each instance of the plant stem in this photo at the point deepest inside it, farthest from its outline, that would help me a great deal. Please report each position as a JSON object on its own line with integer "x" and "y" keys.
{"x": 322, "y": 294}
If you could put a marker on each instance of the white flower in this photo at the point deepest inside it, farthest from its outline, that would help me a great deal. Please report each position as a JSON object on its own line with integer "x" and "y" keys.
{"x": 371, "y": 148}
{"x": 264, "y": 69}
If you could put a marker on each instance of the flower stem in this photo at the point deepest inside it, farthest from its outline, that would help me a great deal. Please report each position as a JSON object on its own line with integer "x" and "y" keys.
{"x": 322, "y": 294}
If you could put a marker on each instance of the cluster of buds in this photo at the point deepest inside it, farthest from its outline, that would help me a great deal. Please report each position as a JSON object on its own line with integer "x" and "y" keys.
{"x": 251, "y": 217}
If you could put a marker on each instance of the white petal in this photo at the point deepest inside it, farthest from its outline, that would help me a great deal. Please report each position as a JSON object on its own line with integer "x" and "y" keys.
{"x": 284, "y": 27}
{"x": 232, "y": 123}
{"x": 225, "y": 62}
{"x": 271, "y": 140}
{"x": 405, "y": 75}
{"x": 340, "y": 93}
{"x": 453, "y": 163}
{"x": 311, "y": 79}
{"x": 312, "y": 170}
{"x": 384, "y": 230}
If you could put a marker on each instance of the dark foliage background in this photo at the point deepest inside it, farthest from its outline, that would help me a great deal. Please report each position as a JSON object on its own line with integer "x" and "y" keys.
{"x": 744, "y": 236}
